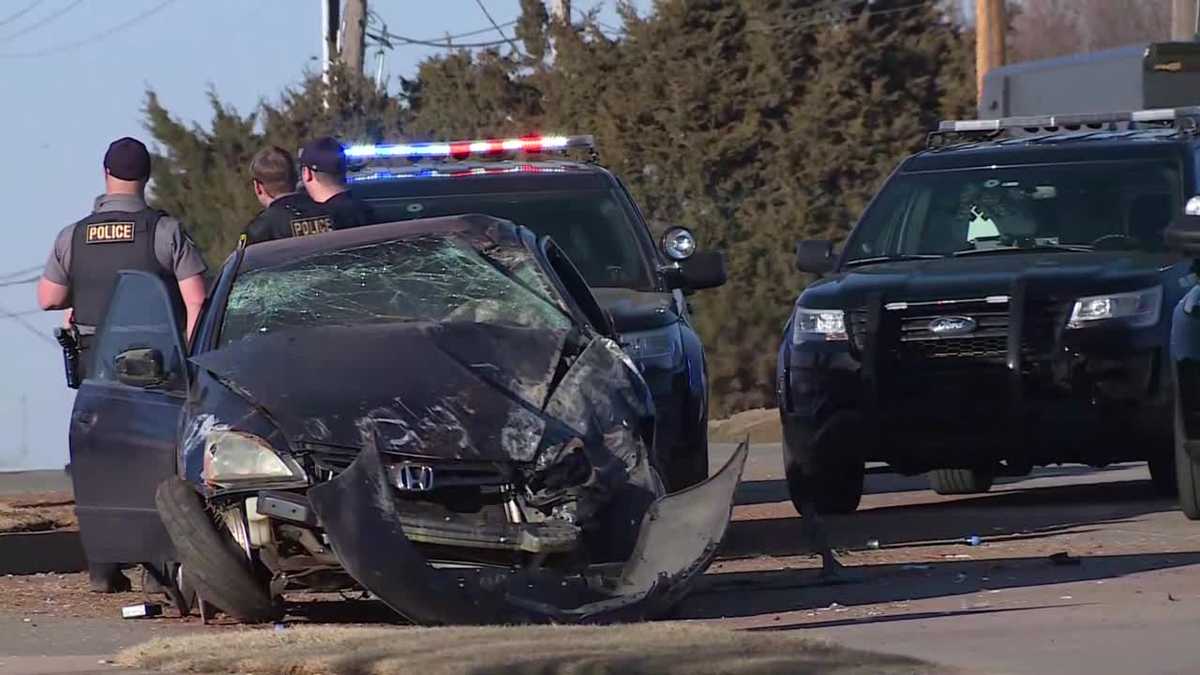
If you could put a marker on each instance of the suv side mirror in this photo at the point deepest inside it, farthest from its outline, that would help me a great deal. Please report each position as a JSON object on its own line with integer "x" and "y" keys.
{"x": 140, "y": 367}
{"x": 814, "y": 256}
{"x": 704, "y": 269}
{"x": 1183, "y": 235}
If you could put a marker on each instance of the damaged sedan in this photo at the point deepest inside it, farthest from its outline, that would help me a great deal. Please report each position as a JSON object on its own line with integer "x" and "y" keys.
{"x": 433, "y": 412}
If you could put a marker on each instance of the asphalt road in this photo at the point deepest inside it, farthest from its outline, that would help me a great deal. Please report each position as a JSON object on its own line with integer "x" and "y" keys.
{"x": 1128, "y": 599}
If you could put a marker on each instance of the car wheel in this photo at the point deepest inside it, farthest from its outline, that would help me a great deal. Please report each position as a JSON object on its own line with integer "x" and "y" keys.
{"x": 689, "y": 466}
{"x": 215, "y": 567}
{"x": 961, "y": 481}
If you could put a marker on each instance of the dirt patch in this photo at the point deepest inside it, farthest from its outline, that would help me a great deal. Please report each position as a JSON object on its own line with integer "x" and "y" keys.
{"x": 760, "y": 424}
{"x": 37, "y": 513}
{"x": 643, "y": 648}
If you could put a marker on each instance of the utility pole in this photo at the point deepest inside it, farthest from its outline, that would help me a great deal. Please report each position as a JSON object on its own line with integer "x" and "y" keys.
{"x": 1185, "y": 20}
{"x": 330, "y": 20}
{"x": 990, "y": 26}
{"x": 353, "y": 44}
{"x": 560, "y": 11}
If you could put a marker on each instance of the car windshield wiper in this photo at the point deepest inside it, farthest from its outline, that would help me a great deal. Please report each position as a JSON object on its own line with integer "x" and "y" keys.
{"x": 1066, "y": 248}
{"x": 893, "y": 258}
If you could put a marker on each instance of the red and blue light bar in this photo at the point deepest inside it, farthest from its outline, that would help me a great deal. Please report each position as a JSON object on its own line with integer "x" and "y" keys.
{"x": 464, "y": 149}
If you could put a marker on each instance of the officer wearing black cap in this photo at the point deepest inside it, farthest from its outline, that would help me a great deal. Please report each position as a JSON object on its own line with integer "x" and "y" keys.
{"x": 121, "y": 233}
{"x": 288, "y": 211}
{"x": 323, "y": 173}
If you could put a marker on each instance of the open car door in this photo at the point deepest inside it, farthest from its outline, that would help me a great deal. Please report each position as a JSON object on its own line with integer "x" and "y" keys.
{"x": 124, "y": 424}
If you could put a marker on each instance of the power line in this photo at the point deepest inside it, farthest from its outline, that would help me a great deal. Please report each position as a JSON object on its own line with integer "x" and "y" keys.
{"x": 24, "y": 323}
{"x": 91, "y": 38}
{"x": 497, "y": 26}
{"x": 17, "y": 273}
{"x": 20, "y": 13}
{"x": 20, "y": 282}
{"x": 52, "y": 16}
{"x": 444, "y": 44}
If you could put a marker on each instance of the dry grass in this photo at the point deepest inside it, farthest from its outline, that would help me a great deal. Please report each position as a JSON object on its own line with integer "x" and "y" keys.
{"x": 37, "y": 513}
{"x": 656, "y": 648}
{"x": 760, "y": 424}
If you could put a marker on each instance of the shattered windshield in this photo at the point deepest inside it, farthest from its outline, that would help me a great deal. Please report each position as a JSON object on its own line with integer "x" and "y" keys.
{"x": 424, "y": 279}
{"x": 1082, "y": 206}
{"x": 590, "y": 225}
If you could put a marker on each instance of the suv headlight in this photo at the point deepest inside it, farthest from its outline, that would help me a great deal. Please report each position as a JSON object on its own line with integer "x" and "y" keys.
{"x": 231, "y": 457}
{"x": 1137, "y": 309}
{"x": 818, "y": 325}
{"x": 660, "y": 346}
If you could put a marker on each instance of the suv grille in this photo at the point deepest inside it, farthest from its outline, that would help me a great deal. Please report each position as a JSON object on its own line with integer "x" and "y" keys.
{"x": 906, "y": 334}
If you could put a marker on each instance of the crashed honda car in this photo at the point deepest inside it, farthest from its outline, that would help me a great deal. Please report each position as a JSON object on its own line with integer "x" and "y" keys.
{"x": 433, "y": 411}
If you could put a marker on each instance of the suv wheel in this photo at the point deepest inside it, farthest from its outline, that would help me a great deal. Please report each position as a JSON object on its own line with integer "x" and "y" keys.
{"x": 961, "y": 481}
{"x": 1187, "y": 472}
{"x": 832, "y": 489}
{"x": 688, "y": 466}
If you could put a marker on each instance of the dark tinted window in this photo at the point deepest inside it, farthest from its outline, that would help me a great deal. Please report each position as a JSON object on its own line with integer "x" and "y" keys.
{"x": 139, "y": 317}
{"x": 592, "y": 226}
{"x": 1114, "y": 205}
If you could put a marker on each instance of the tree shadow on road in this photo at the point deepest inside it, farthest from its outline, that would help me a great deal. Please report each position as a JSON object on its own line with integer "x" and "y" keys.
{"x": 743, "y": 594}
{"x": 1026, "y": 514}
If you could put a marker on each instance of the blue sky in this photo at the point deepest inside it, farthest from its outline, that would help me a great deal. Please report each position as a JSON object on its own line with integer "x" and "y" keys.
{"x": 69, "y": 94}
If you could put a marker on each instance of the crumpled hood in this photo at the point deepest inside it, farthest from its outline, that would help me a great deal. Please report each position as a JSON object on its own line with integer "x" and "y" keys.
{"x": 452, "y": 391}
{"x": 1070, "y": 274}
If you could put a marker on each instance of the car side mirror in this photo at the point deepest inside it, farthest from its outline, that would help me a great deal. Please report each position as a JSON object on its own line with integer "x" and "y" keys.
{"x": 814, "y": 256}
{"x": 140, "y": 367}
{"x": 1183, "y": 235}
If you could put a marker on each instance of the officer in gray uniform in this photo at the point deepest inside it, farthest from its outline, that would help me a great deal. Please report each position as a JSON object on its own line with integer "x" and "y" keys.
{"x": 122, "y": 232}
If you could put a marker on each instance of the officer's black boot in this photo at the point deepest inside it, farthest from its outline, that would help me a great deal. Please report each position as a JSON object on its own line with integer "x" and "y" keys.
{"x": 107, "y": 578}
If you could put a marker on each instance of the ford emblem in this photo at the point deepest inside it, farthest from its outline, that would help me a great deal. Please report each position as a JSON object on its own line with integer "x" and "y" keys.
{"x": 947, "y": 326}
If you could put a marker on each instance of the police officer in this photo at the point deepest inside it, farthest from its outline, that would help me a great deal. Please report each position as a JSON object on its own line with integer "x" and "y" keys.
{"x": 287, "y": 210}
{"x": 122, "y": 232}
{"x": 323, "y": 173}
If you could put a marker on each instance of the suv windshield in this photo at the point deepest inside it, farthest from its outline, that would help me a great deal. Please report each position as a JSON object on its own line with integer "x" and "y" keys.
{"x": 592, "y": 226}
{"x": 427, "y": 279}
{"x": 1083, "y": 206}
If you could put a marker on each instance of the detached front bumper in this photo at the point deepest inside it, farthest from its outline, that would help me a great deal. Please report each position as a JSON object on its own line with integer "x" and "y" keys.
{"x": 678, "y": 538}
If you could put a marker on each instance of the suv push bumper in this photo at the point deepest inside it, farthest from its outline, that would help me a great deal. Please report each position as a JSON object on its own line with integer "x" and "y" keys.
{"x": 1032, "y": 384}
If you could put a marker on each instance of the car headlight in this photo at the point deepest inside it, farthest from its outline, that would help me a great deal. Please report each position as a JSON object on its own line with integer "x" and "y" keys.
{"x": 818, "y": 325}
{"x": 231, "y": 457}
{"x": 1138, "y": 309}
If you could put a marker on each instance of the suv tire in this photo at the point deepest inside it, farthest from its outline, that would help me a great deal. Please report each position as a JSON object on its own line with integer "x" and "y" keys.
{"x": 834, "y": 489}
{"x": 219, "y": 571}
{"x": 1187, "y": 471}
{"x": 961, "y": 481}
{"x": 688, "y": 466}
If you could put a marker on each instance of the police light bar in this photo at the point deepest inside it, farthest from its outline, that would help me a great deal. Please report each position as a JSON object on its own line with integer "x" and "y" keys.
{"x": 464, "y": 149}
{"x": 1070, "y": 121}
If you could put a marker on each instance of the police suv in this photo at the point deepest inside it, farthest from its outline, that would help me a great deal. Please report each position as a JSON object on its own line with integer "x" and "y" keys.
{"x": 642, "y": 282}
{"x": 1004, "y": 302}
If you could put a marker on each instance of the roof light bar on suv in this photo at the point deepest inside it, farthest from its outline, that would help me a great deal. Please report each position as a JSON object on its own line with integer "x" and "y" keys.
{"x": 1053, "y": 123}
{"x": 470, "y": 148}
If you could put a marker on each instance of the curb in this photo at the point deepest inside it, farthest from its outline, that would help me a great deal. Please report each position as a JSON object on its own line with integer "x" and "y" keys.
{"x": 32, "y": 552}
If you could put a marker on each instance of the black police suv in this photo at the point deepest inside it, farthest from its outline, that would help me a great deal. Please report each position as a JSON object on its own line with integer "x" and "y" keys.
{"x": 1004, "y": 302}
{"x": 641, "y": 282}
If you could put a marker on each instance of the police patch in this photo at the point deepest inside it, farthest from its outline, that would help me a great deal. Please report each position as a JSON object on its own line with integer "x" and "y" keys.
{"x": 106, "y": 233}
{"x": 306, "y": 226}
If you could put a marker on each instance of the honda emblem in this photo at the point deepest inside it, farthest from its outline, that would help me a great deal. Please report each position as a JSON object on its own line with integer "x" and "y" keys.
{"x": 413, "y": 477}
